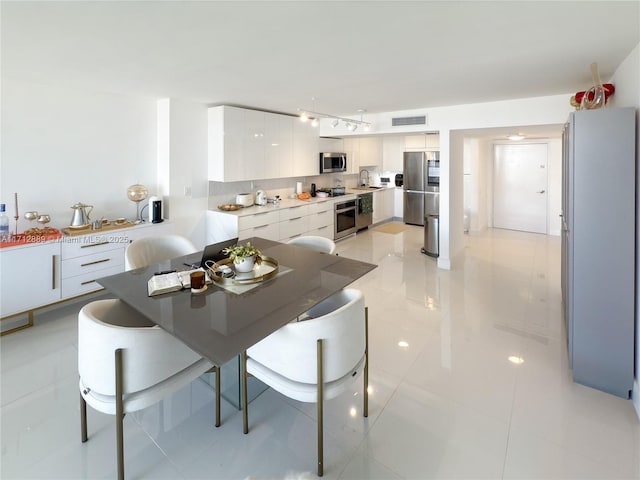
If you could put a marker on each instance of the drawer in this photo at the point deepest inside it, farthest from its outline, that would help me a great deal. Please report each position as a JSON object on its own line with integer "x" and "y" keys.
{"x": 321, "y": 219}
{"x": 268, "y": 231}
{"x": 326, "y": 231}
{"x": 90, "y": 244}
{"x": 295, "y": 212}
{"x": 258, "y": 220}
{"x": 85, "y": 283}
{"x": 293, "y": 227}
{"x": 94, "y": 262}
{"x": 326, "y": 206}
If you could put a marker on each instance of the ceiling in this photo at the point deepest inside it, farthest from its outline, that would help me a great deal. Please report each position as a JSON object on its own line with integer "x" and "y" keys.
{"x": 328, "y": 56}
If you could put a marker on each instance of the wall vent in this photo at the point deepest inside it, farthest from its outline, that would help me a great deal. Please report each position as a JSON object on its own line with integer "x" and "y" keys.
{"x": 404, "y": 121}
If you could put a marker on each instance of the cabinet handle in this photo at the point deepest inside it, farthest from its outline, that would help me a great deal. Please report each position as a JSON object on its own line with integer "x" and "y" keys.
{"x": 53, "y": 272}
{"x": 261, "y": 226}
{"x": 93, "y": 263}
{"x": 88, "y": 282}
{"x": 322, "y": 228}
{"x": 294, "y": 219}
{"x": 94, "y": 245}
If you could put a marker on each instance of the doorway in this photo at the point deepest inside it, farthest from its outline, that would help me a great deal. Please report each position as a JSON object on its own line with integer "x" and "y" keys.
{"x": 520, "y": 187}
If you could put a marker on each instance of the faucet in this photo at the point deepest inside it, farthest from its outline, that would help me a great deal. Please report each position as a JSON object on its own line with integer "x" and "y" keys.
{"x": 362, "y": 183}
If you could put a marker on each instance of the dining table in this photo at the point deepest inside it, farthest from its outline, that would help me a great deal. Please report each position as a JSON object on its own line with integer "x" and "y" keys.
{"x": 226, "y": 319}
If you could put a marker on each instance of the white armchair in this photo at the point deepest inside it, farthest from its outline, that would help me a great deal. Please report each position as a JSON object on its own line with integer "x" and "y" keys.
{"x": 314, "y": 242}
{"x": 148, "y": 250}
{"x": 316, "y": 359}
{"x": 126, "y": 363}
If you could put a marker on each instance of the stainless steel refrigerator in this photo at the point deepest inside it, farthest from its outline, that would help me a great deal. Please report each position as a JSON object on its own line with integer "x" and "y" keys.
{"x": 421, "y": 186}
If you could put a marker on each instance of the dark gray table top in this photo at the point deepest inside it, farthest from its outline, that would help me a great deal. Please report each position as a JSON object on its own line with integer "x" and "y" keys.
{"x": 220, "y": 324}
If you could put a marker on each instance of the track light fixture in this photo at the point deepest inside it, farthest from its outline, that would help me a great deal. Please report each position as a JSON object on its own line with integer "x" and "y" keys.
{"x": 350, "y": 123}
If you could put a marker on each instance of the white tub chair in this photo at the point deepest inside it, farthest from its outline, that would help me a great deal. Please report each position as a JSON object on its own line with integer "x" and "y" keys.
{"x": 126, "y": 364}
{"x": 314, "y": 242}
{"x": 155, "y": 249}
{"x": 316, "y": 359}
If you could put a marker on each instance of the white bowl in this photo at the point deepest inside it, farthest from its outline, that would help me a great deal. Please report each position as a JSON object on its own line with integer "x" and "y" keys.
{"x": 322, "y": 194}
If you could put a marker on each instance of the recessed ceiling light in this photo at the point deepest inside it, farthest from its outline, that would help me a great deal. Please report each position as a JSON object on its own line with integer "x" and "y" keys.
{"x": 515, "y": 359}
{"x": 515, "y": 137}
{"x": 403, "y": 344}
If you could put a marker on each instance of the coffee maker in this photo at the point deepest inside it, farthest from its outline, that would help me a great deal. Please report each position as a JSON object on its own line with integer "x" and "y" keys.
{"x": 155, "y": 210}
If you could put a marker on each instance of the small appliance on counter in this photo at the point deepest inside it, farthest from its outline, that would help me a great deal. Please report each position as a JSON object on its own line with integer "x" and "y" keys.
{"x": 155, "y": 210}
{"x": 244, "y": 199}
{"x": 399, "y": 179}
{"x": 384, "y": 181}
{"x": 261, "y": 197}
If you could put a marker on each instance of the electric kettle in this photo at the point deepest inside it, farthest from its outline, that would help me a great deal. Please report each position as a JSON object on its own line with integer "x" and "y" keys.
{"x": 261, "y": 197}
{"x": 80, "y": 215}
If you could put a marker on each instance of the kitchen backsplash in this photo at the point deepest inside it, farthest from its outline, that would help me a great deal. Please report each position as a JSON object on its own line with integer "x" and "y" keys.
{"x": 225, "y": 192}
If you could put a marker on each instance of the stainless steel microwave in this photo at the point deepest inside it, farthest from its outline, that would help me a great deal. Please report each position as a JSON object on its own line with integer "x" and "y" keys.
{"x": 331, "y": 162}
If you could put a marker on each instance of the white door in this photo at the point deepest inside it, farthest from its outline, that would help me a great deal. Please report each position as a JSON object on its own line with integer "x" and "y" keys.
{"x": 520, "y": 187}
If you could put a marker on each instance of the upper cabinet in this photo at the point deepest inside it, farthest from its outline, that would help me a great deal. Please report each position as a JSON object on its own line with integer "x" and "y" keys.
{"x": 425, "y": 141}
{"x": 306, "y": 161}
{"x": 247, "y": 144}
{"x": 363, "y": 152}
{"x": 371, "y": 152}
{"x": 329, "y": 144}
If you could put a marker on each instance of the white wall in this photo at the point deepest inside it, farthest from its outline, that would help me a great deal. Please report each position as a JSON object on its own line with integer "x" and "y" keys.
{"x": 511, "y": 113}
{"x": 183, "y": 127}
{"x": 60, "y": 147}
{"x": 627, "y": 82}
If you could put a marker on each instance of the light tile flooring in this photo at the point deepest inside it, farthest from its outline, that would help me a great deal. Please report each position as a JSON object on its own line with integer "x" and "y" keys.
{"x": 447, "y": 405}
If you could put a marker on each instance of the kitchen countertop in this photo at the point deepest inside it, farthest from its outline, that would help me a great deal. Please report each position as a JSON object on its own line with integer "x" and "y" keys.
{"x": 284, "y": 204}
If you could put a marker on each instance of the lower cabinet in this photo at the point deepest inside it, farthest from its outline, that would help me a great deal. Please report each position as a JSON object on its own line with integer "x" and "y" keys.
{"x": 30, "y": 277}
{"x": 39, "y": 274}
{"x": 383, "y": 201}
{"x": 280, "y": 224}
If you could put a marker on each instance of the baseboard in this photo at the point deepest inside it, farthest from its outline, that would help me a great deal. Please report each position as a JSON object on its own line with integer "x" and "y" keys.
{"x": 635, "y": 397}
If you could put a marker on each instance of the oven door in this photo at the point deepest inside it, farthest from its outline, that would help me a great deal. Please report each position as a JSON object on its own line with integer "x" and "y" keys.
{"x": 345, "y": 219}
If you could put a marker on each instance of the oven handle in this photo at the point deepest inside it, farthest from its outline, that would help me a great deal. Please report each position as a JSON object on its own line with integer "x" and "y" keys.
{"x": 342, "y": 210}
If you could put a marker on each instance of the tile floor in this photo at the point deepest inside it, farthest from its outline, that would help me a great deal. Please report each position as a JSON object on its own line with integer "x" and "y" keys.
{"x": 447, "y": 405}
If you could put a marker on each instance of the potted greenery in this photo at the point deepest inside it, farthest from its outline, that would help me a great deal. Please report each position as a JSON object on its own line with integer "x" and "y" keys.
{"x": 244, "y": 256}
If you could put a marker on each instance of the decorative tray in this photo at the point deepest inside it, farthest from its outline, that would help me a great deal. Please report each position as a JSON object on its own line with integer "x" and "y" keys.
{"x": 230, "y": 207}
{"x": 266, "y": 270}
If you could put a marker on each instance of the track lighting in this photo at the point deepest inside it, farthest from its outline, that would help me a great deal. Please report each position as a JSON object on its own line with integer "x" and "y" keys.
{"x": 349, "y": 123}
{"x": 315, "y": 122}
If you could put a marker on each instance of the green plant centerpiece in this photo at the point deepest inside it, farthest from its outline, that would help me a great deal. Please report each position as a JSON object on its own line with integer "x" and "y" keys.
{"x": 244, "y": 256}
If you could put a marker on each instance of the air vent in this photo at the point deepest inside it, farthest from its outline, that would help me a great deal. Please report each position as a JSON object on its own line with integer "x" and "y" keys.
{"x": 404, "y": 121}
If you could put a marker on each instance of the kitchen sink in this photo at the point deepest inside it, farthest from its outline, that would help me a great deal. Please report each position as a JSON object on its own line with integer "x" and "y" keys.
{"x": 367, "y": 188}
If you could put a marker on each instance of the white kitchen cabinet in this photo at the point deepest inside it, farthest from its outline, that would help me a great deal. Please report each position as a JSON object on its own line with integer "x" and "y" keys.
{"x": 352, "y": 149}
{"x": 398, "y": 202}
{"x": 278, "y": 145}
{"x": 247, "y": 144}
{"x": 279, "y": 224}
{"x": 226, "y": 161}
{"x": 30, "y": 277}
{"x": 382, "y": 205}
{"x": 306, "y": 161}
{"x": 393, "y": 153}
{"x": 370, "y": 152}
{"x": 424, "y": 141}
{"x": 329, "y": 144}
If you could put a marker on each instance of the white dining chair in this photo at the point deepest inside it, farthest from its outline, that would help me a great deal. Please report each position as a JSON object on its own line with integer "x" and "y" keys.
{"x": 126, "y": 363}
{"x": 316, "y": 359}
{"x": 155, "y": 249}
{"x": 314, "y": 242}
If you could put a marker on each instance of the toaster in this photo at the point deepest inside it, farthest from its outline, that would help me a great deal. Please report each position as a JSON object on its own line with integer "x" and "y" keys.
{"x": 244, "y": 199}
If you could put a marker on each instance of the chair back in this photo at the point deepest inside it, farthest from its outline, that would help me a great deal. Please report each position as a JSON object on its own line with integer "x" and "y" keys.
{"x": 155, "y": 249}
{"x": 150, "y": 355}
{"x": 291, "y": 351}
{"x": 314, "y": 242}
